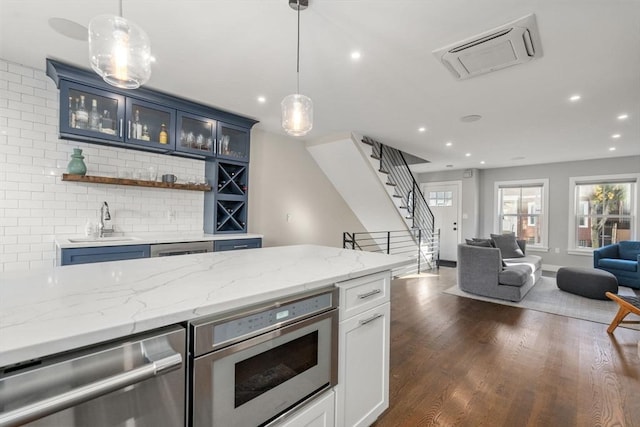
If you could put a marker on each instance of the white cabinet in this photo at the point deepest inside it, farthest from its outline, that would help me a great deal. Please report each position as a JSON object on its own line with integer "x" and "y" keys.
{"x": 362, "y": 393}
{"x": 318, "y": 413}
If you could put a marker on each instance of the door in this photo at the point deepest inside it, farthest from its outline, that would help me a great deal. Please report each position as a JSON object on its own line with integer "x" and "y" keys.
{"x": 442, "y": 198}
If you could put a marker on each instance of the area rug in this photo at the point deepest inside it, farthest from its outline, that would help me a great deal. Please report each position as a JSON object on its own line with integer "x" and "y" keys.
{"x": 545, "y": 296}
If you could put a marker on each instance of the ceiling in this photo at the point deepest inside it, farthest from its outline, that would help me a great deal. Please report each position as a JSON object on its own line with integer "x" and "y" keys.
{"x": 227, "y": 53}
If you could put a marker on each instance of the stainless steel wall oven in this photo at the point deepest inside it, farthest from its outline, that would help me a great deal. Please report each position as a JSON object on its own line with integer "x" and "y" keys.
{"x": 253, "y": 367}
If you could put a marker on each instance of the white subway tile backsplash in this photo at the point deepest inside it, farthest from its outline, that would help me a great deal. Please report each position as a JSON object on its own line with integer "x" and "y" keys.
{"x": 20, "y": 88}
{"x": 35, "y": 204}
{"x": 20, "y": 69}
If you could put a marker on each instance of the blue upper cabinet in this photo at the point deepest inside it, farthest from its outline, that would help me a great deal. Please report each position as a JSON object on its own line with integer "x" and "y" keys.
{"x": 196, "y": 135}
{"x": 145, "y": 119}
{"x": 150, "y": 125}
{"x": 90, "y": 114}
{"x": 233, "y": 142}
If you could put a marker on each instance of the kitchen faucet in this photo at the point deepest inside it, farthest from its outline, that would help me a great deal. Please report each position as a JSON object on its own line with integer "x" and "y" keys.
{"x": 104, "y": 216}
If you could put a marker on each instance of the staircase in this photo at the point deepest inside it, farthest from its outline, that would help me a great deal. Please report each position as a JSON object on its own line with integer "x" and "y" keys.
{"x": 408, "y": 198}
{"x": 377, "y": 184}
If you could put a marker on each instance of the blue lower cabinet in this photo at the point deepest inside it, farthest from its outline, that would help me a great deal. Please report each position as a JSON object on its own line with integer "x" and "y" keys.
{"x": 74, "y": 256}
{"x": 235, "y": 244}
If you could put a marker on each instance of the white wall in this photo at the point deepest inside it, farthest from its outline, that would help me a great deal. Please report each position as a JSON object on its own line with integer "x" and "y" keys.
{"x": 284, "y": 179}
{"x": 36, "y": 205}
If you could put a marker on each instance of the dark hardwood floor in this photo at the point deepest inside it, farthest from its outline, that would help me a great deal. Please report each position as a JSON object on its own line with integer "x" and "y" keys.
{"x": 462, "y": 362}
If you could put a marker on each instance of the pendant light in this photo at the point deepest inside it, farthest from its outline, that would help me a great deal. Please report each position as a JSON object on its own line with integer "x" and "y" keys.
{"x": 297, "y": 109}
{"x": 119, "y": 51}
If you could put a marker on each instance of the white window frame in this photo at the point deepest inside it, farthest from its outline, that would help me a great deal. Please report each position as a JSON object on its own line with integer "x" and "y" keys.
{"x": 635, "y": 197}
{"x": 544, "y": 183}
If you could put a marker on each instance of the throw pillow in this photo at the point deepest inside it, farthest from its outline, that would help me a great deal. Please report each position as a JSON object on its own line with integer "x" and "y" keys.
{"x": 476, "y": 239}
{"x": 507, "y": 245}
{"x": 482, "y": 243}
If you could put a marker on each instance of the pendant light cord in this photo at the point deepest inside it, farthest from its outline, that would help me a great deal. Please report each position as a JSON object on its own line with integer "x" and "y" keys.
{"x": 298, "y": 52}
{"x": 121, "y": 9}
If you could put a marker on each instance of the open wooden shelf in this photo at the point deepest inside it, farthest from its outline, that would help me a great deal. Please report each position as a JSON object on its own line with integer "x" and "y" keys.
{"x": 134, "y": 182}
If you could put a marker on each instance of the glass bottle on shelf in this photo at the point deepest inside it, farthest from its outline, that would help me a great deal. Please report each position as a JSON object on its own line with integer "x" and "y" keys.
{"x": 72, "y": 114}
{"x": 82, "y": 116}
{"x": 163, "y": 138}
{"x": 94, "y": 116}
{"x": 137, "y": 126}
{"x": 107, "y": 123}
{"x": 145, "y": 134}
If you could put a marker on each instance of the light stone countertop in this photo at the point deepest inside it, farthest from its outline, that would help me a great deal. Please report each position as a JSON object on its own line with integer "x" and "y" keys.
{"x": 49, "y": 311}
{"x": 64, "y": 242}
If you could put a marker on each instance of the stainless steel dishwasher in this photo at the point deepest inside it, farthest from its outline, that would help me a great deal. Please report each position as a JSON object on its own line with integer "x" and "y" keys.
{"x": 137, "y": 382}
{"x": 182, "y": 248}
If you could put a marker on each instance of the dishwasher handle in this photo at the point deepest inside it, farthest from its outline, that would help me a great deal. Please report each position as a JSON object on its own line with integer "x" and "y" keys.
{"x": 85, "y": 393}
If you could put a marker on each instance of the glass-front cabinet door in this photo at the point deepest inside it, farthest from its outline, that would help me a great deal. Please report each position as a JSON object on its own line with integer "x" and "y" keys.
{"x": 89, "y": 113}
{"x": 233, "y": 142}
{"x": 150, "y": 125}
{"x": 195, "y": 135}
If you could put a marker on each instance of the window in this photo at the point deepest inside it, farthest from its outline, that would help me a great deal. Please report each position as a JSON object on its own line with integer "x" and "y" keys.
{"x": 522, "y": 208}
{"x": 440, "y": 198}
{"x": 603, "y": 211}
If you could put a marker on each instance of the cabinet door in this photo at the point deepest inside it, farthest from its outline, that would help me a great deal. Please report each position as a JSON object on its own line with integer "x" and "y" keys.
{"x": 317, "y": 413}
{"x": 362, "y": 393}
{"x": 233, "y": 142}
{"x": 146, "y": 123}
{"x": 89, "y": 114}
{"x": 195, "y": 135}
{"x": 74, "y": 256}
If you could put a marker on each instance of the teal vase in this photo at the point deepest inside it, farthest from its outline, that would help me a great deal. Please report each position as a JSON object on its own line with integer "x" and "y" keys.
{"x": 76, "y": 165}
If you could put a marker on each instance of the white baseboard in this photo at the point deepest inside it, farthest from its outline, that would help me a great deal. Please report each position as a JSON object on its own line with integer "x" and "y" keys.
{"x": 550, "y": 267}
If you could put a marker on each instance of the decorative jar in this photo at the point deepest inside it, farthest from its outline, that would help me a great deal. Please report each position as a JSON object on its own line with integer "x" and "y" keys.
{"x": 76, "y": 165}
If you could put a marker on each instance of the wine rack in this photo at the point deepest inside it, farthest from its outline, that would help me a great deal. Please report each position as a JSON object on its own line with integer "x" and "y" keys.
{"x": 231, "y": 216}
{"x": 232, "y": 179}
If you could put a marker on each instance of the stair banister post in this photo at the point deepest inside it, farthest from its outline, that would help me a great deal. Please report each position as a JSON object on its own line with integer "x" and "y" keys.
{"x": 388, "y": 242}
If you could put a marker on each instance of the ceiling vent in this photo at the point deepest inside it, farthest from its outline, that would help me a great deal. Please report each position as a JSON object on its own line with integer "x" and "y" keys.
{"x": 514, "y": 43}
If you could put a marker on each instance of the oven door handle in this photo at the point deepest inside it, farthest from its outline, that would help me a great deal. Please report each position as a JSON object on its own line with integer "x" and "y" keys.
{"x": 90, "y": 391}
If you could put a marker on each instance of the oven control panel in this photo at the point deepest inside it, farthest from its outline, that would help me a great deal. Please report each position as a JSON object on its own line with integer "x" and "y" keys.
{"x": 250, "y": 324}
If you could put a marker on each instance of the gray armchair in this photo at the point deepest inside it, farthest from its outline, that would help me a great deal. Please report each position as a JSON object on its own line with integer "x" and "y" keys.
{"x": 480, "y": 272}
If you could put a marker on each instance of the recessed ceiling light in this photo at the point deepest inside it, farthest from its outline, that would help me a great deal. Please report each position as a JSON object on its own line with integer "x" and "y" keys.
{"x": 623, "y": 116}
{"x": 262, "y": 99}
{"x": 470, "y": 118}
{"x": 355, "y": 55}
{"x": 449, "y": 166}
{"x": 422, "y": 129}
{"x": 574, "y": 98}
{"x": 482, "y": 162}
{"x": 468, "y": 155}
{"x": 449, "y": 144}
{"x": 616, "y": 136}
{"x": 612, "y": 148}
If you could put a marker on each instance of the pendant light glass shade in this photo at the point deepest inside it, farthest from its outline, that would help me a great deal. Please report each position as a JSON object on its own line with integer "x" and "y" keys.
{"x": 119, "y": 51}
{"x": 297, "y": 114}
{"x": 297, "y": 109}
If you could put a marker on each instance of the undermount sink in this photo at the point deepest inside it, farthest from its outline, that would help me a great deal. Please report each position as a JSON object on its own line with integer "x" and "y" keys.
{"x": 102, "y": 239}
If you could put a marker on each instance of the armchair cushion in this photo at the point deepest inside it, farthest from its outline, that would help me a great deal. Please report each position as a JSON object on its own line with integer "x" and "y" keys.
{"x": 514, "y": 275}
{"x": 508, "y": 245}
{"x": 618, "y": 264}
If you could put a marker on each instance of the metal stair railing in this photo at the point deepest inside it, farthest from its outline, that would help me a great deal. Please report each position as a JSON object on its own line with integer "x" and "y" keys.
{"x": 400, "y": 242}
{"x": 394, "y": 165}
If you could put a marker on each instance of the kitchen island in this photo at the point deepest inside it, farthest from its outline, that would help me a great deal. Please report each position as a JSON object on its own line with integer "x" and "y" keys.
{"x": 53, "y": 312}
{"x": 49, "y": 311}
